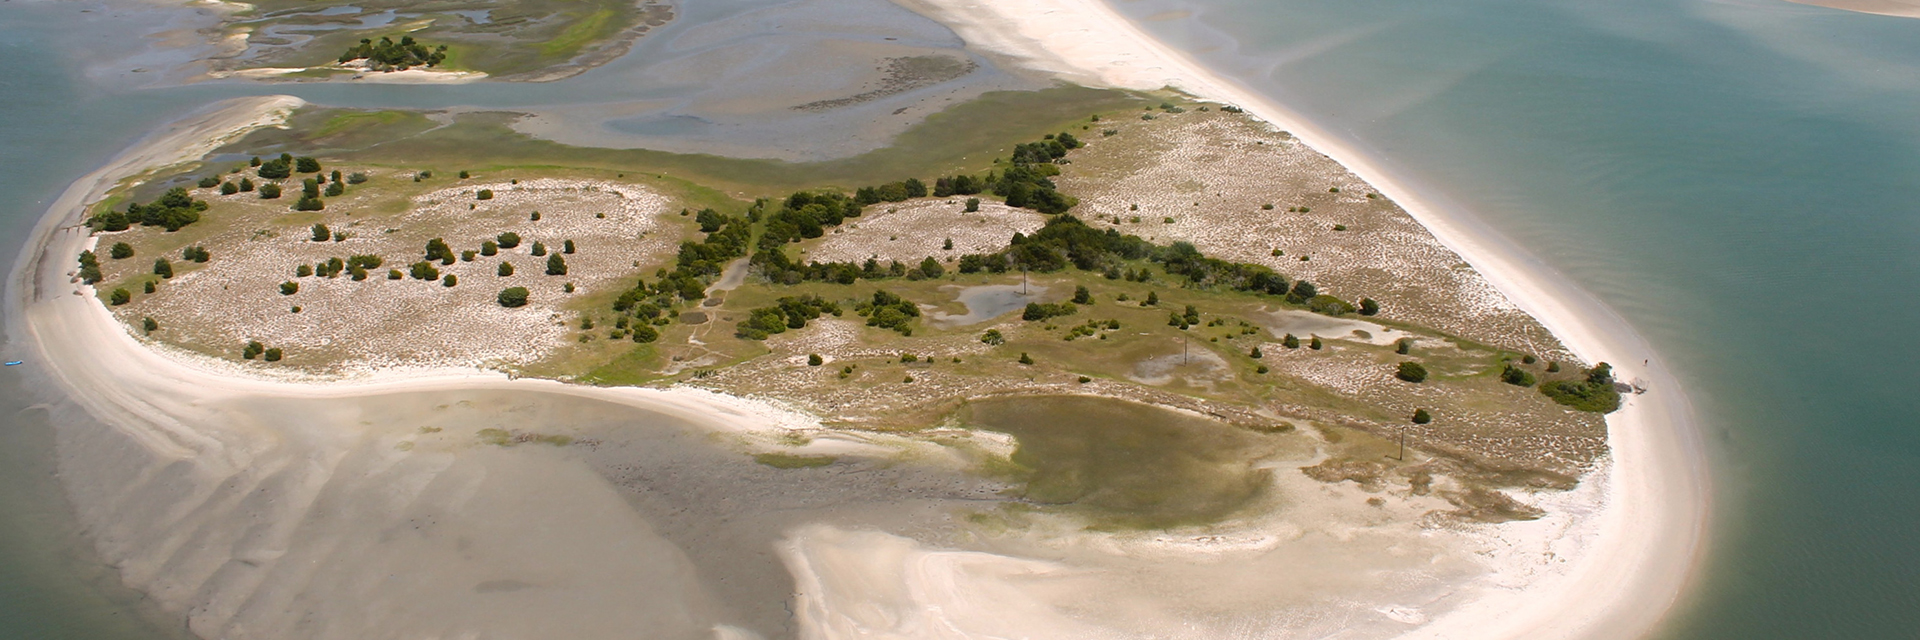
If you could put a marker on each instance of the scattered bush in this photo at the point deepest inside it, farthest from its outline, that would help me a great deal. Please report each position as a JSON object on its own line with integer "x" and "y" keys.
{"x": 1420, "y": 416}
{"x": 305, "y": 164}
{"x": 149, "y": 324}
{"x": 120, "y": 297}
{"x": 539, "y": 249}
{"x": 508, "y": 240}
{"x": 1080, "y": 295}
{"x": 484, "y": 194}
{"x": 120, "y": 251}
{"x": 196, "y": 254}
{"x": 269, "y": 191}
{"x": 992, "y": 337}
{"x": 424, "y": 271}
{"x": 814, "y": 360}
{"x": 450, "y": 280}
{"x": 1369, "y": 307}
{"x": 356, "y": 178}
{"x": 289, "y": 288}
{"x": 556, "y": 266}
{"x": 1025, "y": 359}
{"x": 506, "y": 269}
{"x": 162, "y": 268}
{"x": 252, "y": 350}
{"x": 1411, "y": 372}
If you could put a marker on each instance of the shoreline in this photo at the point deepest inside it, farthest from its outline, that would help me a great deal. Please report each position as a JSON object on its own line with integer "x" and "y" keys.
{"x": 1653, "y": 498}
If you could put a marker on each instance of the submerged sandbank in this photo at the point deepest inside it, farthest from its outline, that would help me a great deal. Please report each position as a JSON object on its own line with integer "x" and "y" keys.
{"x": 1614, "y": 556}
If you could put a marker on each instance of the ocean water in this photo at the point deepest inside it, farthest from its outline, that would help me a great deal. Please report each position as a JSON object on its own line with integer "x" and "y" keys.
{"x": 1740, "y": 180}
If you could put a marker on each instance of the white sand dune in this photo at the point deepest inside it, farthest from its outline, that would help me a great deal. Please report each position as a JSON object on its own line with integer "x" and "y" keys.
{"x": 1614, "y": 556}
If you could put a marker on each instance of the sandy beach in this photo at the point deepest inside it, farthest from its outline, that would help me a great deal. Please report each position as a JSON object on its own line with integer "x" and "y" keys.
{"x": 1622, "y": 558}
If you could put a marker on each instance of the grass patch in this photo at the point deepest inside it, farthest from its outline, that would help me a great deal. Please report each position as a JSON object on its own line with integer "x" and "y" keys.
{"x": 594, "y": 26}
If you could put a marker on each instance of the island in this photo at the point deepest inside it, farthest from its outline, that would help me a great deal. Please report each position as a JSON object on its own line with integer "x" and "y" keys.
{"x": 1093, "y": 344}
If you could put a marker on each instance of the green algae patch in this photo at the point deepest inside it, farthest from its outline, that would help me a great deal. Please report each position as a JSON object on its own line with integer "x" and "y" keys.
{"x": 790, "y": 461}
{"x": 1123, "y": 464}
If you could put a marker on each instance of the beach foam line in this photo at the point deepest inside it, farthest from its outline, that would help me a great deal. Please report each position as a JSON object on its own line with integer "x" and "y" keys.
{"x": 1643, "y": 532}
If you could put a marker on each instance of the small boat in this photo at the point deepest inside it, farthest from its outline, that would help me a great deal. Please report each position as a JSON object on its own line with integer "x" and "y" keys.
{"x": 15, "y": 363}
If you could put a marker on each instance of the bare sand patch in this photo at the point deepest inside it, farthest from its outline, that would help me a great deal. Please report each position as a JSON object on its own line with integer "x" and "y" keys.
{"x": 345, "y": 325}
{"x": 914, "y": 230}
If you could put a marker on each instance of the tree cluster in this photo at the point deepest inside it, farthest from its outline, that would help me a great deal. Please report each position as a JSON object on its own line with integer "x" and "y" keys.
{"x": 174, "y": 209}
{"x": 90, "y": 268}
{"x": 387, "y": 55}
{"x": 1037, "y": 311}
{"x": 788, "y": 313}
{"x": 1596, "y": 392}
{"x": 889, "y": 311}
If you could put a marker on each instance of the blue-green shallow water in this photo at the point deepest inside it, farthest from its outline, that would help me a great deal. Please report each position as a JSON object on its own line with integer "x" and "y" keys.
{"x": 1741, "y": 180}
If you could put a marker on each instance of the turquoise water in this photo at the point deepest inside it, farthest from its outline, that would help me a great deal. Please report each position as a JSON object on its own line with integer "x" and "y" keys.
{"x": 1741, "y": 180}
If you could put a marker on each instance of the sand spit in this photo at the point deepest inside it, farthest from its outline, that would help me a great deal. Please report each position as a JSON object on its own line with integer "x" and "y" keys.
{"x": 1895, "y": 8}
{"x": 1609, "y": 566}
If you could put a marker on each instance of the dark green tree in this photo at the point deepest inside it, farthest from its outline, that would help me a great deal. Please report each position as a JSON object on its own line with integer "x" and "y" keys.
{"x": 556, "y": 266}
{"x": 1080, "y": 295}
{"x": 506, "y": 269}
{"x": 930, "y": 268}
{"x": 269, "y": 191}
{"x": 1369, "y": 307}
{"x": 508, "y": 240}
{"x": 1411, "y": 372}
{"x": 162, "y": 268}
{"x": 1420, "y": 416}
{"x": 121, "y": 251}
{"x": 120, "y": 297}
{"x": 289, "y": 288}
{"x": 305, "y": 164}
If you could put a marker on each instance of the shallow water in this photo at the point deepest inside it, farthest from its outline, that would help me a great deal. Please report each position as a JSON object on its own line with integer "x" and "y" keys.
{"x": 988, "y": 301}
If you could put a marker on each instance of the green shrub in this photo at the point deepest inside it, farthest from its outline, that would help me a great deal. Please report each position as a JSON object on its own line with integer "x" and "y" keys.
{"x": 1516, "y": 376}
{"x": 289, "y": 288}
{"x": 517, "y": 297}
{"x": 1411, "y": 372}
{"x": 1420, "y": 416}
{"x": 484, "y": 194}
{"x": 814, "y": 360}
{"x": 120, "y": 297}
{"x": 269, "y": 191}
{"x": 1595, "y": 393}
{"x": 120, "y": 251}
